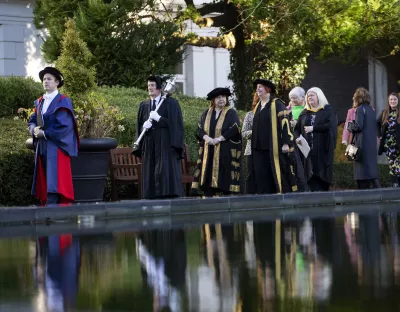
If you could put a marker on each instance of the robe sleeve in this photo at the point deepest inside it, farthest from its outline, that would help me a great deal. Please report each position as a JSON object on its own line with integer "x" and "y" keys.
{"x": 247, "y": 126}
{"x": 200, "y": 133}
{"x": 297, "y": 127}
{"x": 379, "y": 125}
{"x": 139, "y": 124}
{"x": 175, "y": 125}
{"x": 32, "y": 122}
{"x": 234, "y": 125}
{"x": 283, "y": 121}
{"x": 358, "y": 125}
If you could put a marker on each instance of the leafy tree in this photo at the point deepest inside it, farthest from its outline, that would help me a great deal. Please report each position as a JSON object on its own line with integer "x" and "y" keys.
{"x": 274, "y": 38}
{"x": 127, "y": 45}
{"x": 95, "y": 116}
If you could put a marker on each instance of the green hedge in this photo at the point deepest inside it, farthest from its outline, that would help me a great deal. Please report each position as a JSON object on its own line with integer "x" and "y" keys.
{"x": 16, "y": 164}
{"x": 128, "y": 100}
{"x": 16, "y": 92}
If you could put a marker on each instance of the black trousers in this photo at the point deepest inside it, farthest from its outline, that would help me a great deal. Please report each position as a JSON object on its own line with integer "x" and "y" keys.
{"x": 316, "y": 184}
{"x": 250, "y": 187}
{"x": 263, "y": 174}
{"x": 366, "y": 184}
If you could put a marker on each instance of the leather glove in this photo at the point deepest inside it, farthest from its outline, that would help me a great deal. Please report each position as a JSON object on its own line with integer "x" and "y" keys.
{"x": 154, "y": 116}
{"x": 147, "y": 124}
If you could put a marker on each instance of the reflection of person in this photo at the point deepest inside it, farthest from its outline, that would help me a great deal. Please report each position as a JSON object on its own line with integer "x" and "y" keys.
{"x": 317, "y": 123}
{"x": 364, "y": 132}
{"x": 56, "y": 140}
{"x": 271, "y": 143}
{"x": 57, "y": 271}
{"x": 389, "y": 134}
{"x": 163, "y": 258}
{"x": 220, "y": 147}
{"x": 162, "y": 146}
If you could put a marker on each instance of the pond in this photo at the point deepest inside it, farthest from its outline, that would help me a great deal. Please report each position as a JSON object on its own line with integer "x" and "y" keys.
{"x": 349, "y": 263}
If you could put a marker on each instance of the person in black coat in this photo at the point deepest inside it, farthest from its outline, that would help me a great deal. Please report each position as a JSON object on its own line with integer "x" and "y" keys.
{"x": 317, "y": 123}
{"x": 364, "y": 137}
{"x": 389, "y": 134}
{"x": 272, "y": 143}
{"x": 162, "y": 146}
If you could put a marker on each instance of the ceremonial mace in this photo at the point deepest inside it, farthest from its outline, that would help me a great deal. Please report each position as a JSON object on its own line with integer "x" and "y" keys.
{"x": 169, "y": 88}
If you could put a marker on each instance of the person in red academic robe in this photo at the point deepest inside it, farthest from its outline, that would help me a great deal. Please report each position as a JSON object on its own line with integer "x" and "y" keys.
{"x": 56, "y": 140}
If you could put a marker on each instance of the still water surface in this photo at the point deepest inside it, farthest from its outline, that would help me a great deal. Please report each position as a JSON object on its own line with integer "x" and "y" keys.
{"x": 351, "y": 263}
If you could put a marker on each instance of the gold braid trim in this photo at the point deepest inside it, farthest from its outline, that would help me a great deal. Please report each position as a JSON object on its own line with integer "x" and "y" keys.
{"x": 217, "y": 148}
{"x": 205, "y": 155}
{"x": 286, "y": 122}
{"x": 275, "y": 147}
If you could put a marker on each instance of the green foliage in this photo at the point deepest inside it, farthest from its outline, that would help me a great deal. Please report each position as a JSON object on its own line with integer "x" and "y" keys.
{"x": 52, "y": 15}
{"x": 75, "y": 63}
{"x": 95, "y": 116}
{"x": 126, "y": 46}
{"x": 16, "y": 164}
{"x": 17, "y": 92}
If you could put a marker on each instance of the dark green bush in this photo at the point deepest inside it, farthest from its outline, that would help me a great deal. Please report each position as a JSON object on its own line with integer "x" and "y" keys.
{"x": 343, "y": 176}
{"x": 16, "y": 92}
{"x": 16, "y": 164}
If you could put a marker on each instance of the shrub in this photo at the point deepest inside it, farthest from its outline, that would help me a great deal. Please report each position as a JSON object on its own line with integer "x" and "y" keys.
{"x": 16, "y": 164}
{"x": 94, "y": 115}
{"x": 16, "y": 92}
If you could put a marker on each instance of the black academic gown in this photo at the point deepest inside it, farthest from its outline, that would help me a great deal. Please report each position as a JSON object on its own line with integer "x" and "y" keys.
{"x": 320, "y": 160}
{"x": 161, "y": 150}
{"x": 274, "y": 170}
{"x": 218, "y": 167}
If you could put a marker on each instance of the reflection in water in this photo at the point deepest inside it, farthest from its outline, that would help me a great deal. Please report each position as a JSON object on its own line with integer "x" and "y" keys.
{"x": 162, "y": 255}
{"x": 56, "y": 271}
{"x": 345, "y": 264}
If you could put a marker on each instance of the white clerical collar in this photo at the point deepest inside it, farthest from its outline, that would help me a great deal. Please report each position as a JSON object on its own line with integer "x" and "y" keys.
{"x": 50, "y": 96}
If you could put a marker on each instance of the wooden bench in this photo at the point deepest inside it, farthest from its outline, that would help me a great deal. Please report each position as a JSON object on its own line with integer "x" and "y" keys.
{"x": 127, "y": 169}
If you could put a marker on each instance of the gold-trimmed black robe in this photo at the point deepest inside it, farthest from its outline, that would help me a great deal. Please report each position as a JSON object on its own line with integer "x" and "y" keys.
{"x": 218, "y": 166}
{"x": 282, "y": 165}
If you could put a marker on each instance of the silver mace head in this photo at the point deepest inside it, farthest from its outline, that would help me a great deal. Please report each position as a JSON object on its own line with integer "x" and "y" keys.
{"x": 170, "y": 86}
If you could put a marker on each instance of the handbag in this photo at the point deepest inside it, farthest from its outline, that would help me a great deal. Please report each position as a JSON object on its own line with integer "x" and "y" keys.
{"x": 353, "y": 152}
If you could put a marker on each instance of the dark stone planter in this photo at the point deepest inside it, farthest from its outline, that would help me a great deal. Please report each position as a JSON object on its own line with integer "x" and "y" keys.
{"x": 89, "y": 169}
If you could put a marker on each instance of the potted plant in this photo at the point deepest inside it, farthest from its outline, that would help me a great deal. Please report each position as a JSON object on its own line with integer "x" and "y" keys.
{"x": 97, "y": 120}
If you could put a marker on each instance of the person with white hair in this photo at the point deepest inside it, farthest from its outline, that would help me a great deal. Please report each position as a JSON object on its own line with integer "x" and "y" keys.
{"x": 296, "y": 104}
{"x": 317, "y": 123}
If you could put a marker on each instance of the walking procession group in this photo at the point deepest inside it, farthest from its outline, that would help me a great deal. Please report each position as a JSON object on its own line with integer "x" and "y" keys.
{"x": 287, "y": 148}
